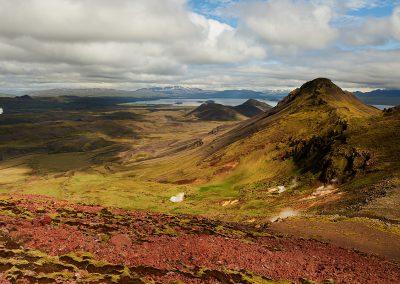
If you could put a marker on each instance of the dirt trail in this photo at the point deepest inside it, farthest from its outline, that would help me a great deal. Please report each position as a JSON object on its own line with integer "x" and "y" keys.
{"x": 45, "y": 240}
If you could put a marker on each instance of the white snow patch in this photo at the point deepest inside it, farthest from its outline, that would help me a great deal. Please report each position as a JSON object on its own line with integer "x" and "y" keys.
{"x": 178, "y": 198}
{"x": 322, "y": 191}
{"x": 281, "y": 189}
{"x": 285, "y": 213}
{"x": 278, "y": 189}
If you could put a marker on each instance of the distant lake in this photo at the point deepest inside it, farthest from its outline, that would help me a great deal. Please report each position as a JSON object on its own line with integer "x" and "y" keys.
{"x": 382, "y": 107}
{"x": 197, "y": 102}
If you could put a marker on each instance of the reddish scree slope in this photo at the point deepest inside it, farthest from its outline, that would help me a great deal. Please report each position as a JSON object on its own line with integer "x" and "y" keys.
{"x": 90, "y": 242}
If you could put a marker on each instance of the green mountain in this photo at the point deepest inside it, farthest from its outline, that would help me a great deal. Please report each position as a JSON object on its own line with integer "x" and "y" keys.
{"x": 319, "y": 135}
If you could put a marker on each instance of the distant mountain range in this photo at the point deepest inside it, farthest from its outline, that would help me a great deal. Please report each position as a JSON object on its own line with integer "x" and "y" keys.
{"x": 195, "y": 93}
{"x": 380, "y": 97}
{"x": 96, "y": 92}
{"x": 162, "y": 92}
{"x": 376, "y": 97}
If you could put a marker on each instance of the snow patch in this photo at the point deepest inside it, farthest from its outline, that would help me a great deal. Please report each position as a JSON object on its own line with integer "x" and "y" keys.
{"x": 281, "y": 189}
{"x": 284, "y": 214}
{"x": 278, "y": 189}
{"x": 178, "y": 198}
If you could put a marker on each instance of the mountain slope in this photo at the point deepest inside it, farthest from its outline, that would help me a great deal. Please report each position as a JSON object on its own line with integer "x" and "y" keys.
{"x": 209, "y": 111}
{"x": 252, "y": 108}
{"x": 302, "y": 105}
{"x": 319, "y": 135}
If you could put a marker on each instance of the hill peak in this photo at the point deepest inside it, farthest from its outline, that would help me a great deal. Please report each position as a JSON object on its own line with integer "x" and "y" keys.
{"x": 316, "y": 92}
{"x": 252, "y": 107}
{"x": 325, "y": 95}
{"x": 319, "y": 85}
{"x": 211, "y": 111}
{"x": 251, "y": 102}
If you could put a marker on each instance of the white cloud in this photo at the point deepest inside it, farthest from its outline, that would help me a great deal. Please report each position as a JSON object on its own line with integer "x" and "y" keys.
{"x": 373, "y": 30}
{"x": 95, "y": 20}
{"x": 119, "y": 39}
{"x": 395, "y": 21}
{"x": 220, "y": 44}
{"x": 135, "y": 43}
{"x": 292, "y": 23}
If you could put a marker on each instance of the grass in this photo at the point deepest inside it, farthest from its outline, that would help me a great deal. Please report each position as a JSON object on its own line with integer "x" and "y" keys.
{"x": 140, "y": 181}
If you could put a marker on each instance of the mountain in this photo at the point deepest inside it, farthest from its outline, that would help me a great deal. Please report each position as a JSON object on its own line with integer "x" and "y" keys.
{"x": 210, "y": 111}
{"x": 252, "y": 108}
{"x": 319, "y": 135}
{"x": 317, "y": 102}
{"x": 174, "y": 91}
{"x": 96, "y": 92}
{"x": 236, "y": 94}
{"x": 380, "y": 97}
{"x": 195, "y": 93}
{"x": 377, "y": 97}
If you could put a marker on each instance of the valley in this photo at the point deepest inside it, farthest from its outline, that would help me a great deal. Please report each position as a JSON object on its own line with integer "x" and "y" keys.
{"x": 319, "y": 172}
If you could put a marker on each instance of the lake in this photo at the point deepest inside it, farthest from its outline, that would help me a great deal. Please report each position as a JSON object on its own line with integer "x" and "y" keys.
{"x": 382, "y": 107}
{"x": 197, "y": 102}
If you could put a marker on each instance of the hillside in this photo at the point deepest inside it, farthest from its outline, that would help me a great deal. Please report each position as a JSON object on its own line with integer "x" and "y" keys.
{"x": 210, "y": 111}
{"x": 319, "y": 135}
{"x": 313, "y": 180}
{"x": 252, "y": 107}
{"x": 317, "y": 103}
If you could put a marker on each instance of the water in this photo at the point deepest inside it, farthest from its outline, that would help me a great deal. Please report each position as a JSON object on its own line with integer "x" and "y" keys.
{"x": 382, "y": 107}
{"x": 197, "y": 102}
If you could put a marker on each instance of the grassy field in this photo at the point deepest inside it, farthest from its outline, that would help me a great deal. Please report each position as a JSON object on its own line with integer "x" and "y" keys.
{"x": 324, "y": 165}
{"x": 138, "y": 157}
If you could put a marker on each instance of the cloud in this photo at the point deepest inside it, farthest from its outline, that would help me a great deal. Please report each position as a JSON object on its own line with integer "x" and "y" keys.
{"x": 373, "y": 30}
{"x": 95, "y": 20}
{"x": 395, "y": 21}
{"x": 114, "y": 39}
{"x": 220, "y": 44}
{"x": 256, "y": 44}
{"x": 288, "y": 23}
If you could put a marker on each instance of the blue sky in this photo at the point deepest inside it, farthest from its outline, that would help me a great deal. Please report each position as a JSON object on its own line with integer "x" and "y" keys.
{"x": 210, "y": 44}
{"x": 213, "y": 8}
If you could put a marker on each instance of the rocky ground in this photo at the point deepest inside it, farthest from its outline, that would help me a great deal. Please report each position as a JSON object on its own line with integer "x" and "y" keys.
{"x": 43, "y": 240}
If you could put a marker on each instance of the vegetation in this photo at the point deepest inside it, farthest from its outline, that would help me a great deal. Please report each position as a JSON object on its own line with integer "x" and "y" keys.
{"x": 321, "y": 157}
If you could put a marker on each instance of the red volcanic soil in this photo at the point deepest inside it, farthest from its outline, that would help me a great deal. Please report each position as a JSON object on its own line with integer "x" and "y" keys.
{"x": 44, "y": 240}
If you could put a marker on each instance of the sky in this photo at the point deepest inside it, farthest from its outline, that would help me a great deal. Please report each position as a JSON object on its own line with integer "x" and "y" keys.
{"x": 209, "y": 44}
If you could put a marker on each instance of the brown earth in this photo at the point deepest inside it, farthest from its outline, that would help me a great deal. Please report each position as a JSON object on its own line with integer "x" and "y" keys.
{"x": 44, "y": 240}
{"x": 364, "y": 234}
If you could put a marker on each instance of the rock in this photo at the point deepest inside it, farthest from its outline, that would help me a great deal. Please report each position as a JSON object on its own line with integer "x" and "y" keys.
{"x": 42, "y": 221}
